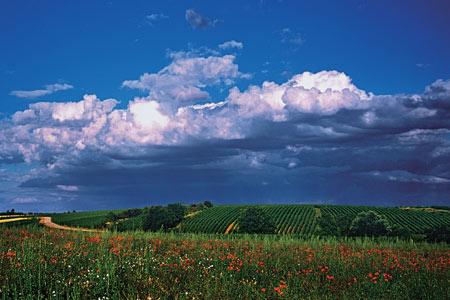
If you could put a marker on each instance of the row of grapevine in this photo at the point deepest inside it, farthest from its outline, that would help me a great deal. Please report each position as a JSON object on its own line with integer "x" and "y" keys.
{"x": 212, "y": 220}
{"x": 289, "y": 219}
{"x": 90, "y": 219}
{"x": 415, "y": 220}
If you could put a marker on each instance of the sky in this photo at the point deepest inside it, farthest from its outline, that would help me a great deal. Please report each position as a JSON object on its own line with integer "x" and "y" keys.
{"x": 117, "y": 104}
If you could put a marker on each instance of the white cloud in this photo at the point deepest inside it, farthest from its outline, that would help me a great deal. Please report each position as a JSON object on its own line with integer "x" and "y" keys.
{"x": 49, "y": 89}
{"x": 68, "y": 188}
{"x": 289, "y": 36}
{"x": 210, "y": 106}
{"x": 147, "y": 114}
{"x": 404, "y": 176}
{"x": 198, "y": 21}
{"x": 422, "y": 112}
{"x": 176, "y": 115}
{"x": 152, "y": 18}
{"x": 232, "y": 44}
{"x": 24, "y": 200}
{"x": 323, "y": 93}
{"x": 185, "y": 78}
{"x": 369, "y": 118}
{"x": 50, "y": 130}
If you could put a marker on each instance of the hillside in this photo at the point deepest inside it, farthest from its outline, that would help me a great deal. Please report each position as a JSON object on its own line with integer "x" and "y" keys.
{"x": 289, "y": 219}
{"x": 302, "y": 219}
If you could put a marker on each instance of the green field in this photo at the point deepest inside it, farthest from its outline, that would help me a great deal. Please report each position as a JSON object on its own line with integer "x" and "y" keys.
{"x": 302, "y": 219}
{"x": 89, "y": 219}
{"x": 289, "y": 219}
{"x": 21, "y": 223}
{"x": 41, "y": 263}
{"x": 184, "y": 263}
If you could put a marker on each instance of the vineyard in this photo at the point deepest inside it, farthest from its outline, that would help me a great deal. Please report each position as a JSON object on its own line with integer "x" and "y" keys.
{"x": 417, "y": 221}
{"x": 90, "y": 219}
{"x": 289, "y": 219}
{"x": 302, "y": 219}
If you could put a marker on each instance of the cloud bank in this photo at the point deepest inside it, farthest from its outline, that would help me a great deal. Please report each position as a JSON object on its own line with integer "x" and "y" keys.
{"x": 314, "y": 138}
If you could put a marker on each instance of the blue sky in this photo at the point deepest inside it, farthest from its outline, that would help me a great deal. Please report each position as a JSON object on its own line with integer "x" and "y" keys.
{"x": 377, "y": 136}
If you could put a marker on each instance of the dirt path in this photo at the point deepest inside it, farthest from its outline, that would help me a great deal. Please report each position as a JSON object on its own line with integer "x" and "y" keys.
{"x": 13, "y": 220}
{"x": 47, "y": 221}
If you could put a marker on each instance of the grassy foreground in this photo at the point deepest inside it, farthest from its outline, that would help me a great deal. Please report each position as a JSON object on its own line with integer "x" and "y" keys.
{"x": 37, "y": 263}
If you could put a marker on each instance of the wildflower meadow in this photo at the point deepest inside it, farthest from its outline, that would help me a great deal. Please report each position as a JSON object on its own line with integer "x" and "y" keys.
{"x": 42, "y": 263}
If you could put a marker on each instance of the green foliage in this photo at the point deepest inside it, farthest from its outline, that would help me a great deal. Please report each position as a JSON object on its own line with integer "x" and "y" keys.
{"x": 289, "y": 219}
{"x": 176, "y": 212}
{"x": 370, "y": 223}
{"x": 89, "y": 219}
{"x": 439, "y": 234}
{"x": 256, "y": 220}
{"x": 334, "y": 225}
{"x": 38, "y": 263}
{"x": 400, "y": 232}
{"x": 130, "y": 224}
{"x": 130, "y": 213}
{"x": 163, "y": 218}
{"x": 112, "y": 217}
{"x": 327, "y": 225}
{"x": 156, "y": 218}
{"x": 208, "y": 204}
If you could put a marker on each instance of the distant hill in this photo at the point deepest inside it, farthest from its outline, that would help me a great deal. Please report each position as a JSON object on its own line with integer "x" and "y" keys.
{"x": 289, "y": 219}
{"x": 302, "y": 219}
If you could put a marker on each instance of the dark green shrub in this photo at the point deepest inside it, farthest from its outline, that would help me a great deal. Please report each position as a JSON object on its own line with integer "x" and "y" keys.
{"x": 331, "y": 225}
{"x": 256, "y": 220}
{"x": 438, "y": 234}
{"x": 163, "y": 218}
{"x": 369, "y": 223}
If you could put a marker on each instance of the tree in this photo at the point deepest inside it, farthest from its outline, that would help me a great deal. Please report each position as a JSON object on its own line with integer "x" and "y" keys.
{"x": 327, "y": 225}
{"x": 343, "y": 223}
{"x": 163, "y": 218}
{"x": 334, "y": 225}
{"x": 155, "y": 219}
{"x": 256, "y": 220}
{"x": 176, "y": 214}
{"x": 111, "y": 217}
{"x": 400, "y": 231}
{"x": 208, "y": 204}
{"x": 438, "y": 234}
{"x": 130, "y": 213}
{"x": 369, "y": 223}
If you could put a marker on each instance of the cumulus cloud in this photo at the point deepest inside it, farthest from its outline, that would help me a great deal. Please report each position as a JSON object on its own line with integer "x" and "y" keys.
{"x": 322, "y": 93}
{"x": 232, "y": 44}
{"x": 198, "y": 21}
{"x": 48, "y": 90}
{"x": 315, "y": 129}
{"x": 185, "y": 78}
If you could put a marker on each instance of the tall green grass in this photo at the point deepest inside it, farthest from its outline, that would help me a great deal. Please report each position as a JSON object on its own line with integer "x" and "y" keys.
{"x": 38, "y": 263}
